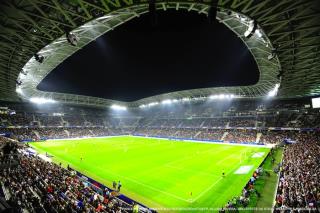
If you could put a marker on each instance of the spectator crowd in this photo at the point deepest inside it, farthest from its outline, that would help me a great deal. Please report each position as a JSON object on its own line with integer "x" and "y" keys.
{"x": 60, "y": 190}
{"x": 299, "y": 183}
{"x": 35, "y": 185}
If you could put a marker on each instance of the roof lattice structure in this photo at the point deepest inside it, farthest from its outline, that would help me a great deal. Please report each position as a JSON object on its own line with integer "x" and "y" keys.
{"x": 289, "y": 29}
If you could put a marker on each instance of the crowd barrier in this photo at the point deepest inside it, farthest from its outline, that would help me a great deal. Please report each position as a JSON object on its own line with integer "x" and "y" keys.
{"x": 98, "y": 187}
{"x": 196, "y": 140}
{"x": 63, "y": 138}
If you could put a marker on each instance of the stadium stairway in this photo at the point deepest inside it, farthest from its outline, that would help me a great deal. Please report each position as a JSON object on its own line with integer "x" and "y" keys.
{"x": 62, "y": 120}
{"x": 109, "y": 129}
{"x": 198, "y": 133}
{"x": 259, "y": 134}
{"x": 137, "y": 122}
{"x": 36, "y": 120}
{"x": 5, "y": 165}
{"x": 4, "y": 206}
{"x": 67, "y": 132}
{"x": 36, "y": 133}
{"x": 201, "y": 125}
{"x": 84, "y": 117}
{"x": 5, "y": 191}
{"x": 224, "y": 134}
{"x": 158, "y": 132}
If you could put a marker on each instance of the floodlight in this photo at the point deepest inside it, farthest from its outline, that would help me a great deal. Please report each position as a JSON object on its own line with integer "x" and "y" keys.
{"x": 24, "y": 72}
{"x": 19, "y": 90}
{"x": 153, "y": 103}
{"x": 104, "y": 17}
{"x": 174, "y": 101}
{"x": 274, "y": 91}
{"x": 168, "y": 101}
{"x": 243, "y": 19}
{"x": 213, "y": 97}
{"x": 21, "y": 77}
{"x": 271, "y": 93}
{"x": 142, "y": 106}
{"x": 118, "y": 107}
{"x": 251, "y": 29}
{"x": 18, "y": 82}
{"x": 315, "y": 102}
{"x": 185, "y": 99}
{"x": 258, "y": 33}
{"x": 198, "y": 98}
{"x": 221, "y": 96}
{"x": 39, "y": 58}
{"x": 40, "y": 100}
{"x": 72, "y": 38}
{"x": 273, "y": 54}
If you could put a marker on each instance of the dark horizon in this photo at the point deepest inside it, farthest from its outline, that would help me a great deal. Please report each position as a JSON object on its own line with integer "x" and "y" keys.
{"x": 135, "y": 60}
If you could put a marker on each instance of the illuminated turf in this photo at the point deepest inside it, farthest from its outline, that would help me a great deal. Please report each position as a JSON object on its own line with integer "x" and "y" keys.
{"x": 162, "y": 173}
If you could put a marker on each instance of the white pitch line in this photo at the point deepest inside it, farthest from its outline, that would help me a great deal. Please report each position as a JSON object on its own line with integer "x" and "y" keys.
{"x": 224, "y": 159}
{"x": 207, "y": 142}
{"x": 138, "y": 182}
{"x": 145, "y": 185}
{"x": 191, "y": 170}
{"x": 167, "y": 193}
{"x": 205, "y": 191}
{"x": 212, "y": 185}
{"x": 234, "y": 168}
{"x": 156, "y": 189}
{"x": 196, "y": 154}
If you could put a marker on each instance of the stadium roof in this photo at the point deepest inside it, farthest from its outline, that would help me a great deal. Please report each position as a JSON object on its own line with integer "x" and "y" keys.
{"x": 288, "y": 31}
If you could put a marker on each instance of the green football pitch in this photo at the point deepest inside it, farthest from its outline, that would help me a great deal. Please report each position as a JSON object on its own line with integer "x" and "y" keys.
{"x": 162, "y": 173}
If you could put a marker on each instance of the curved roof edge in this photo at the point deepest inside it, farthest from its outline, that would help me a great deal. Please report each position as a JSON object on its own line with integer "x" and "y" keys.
{"x": 57, "y": 51}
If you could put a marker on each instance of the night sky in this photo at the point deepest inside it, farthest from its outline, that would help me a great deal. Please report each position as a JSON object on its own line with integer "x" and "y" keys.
{"x": 138, "y": 60}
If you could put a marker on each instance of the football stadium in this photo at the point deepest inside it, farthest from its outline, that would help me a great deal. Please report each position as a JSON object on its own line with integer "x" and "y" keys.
{"x": 152, "y": 106}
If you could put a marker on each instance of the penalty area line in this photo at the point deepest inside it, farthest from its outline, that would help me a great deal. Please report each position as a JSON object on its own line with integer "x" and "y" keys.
{"x": 158, "y": 190}
{"x": 205, "y": 191}
{"x": 146, "y": 185}
{"x": 212, "y": 185}
{"x": 191, "y": 170}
